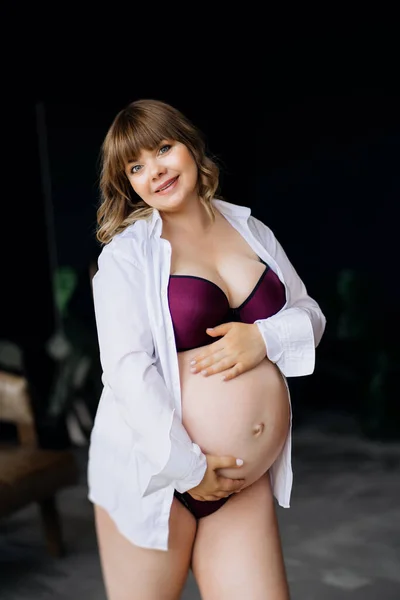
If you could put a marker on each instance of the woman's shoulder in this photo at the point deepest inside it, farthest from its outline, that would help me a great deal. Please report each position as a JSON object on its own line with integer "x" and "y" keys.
{"x": 259, "y": 223}
{"x": 235, "y": 210}
{"x": 238, "y": 212}
{"x": 263, "y": 234}
{"x": 130, "y": 244}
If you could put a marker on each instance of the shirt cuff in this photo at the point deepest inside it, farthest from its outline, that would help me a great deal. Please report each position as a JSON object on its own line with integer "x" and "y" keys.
{"x": 184, "y": 469}
{"x": 271, "y": 340}
{"x": 196, "y": 472}
{"x": 290, "y": 343}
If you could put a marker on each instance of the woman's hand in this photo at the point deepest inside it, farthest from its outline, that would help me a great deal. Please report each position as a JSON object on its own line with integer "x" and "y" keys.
{"x": 241, "y": 348}
{"x": 214, "y": 486}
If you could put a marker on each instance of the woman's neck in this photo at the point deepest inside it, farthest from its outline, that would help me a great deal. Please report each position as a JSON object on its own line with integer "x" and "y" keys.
{"x": 192, "y": 220}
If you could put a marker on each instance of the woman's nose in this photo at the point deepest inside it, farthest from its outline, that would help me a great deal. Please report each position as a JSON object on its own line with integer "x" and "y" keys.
{"x": 157, "y": 170}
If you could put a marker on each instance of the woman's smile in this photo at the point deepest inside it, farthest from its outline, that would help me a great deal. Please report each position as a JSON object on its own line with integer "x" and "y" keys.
{"x": 168, "y": 186}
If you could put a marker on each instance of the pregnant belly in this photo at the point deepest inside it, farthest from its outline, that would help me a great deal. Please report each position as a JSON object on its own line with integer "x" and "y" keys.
{"x": 247, "y": 417}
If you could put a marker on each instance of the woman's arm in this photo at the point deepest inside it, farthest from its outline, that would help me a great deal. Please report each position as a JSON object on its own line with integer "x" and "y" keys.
{"x": 127, "y": 356}
{"x": 291, "y": 335}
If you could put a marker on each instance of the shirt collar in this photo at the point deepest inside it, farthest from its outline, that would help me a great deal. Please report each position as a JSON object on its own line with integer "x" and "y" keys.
{"x": 155, "y": 225}
{"x": 226, "y": 208}
{"x": 236, "y": 210}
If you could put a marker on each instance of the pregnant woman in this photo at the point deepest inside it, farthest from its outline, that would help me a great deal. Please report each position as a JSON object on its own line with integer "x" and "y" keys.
{"x": 200, "y": 318}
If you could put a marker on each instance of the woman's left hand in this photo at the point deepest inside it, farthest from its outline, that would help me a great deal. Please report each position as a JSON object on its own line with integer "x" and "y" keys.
{"x": 240, "y": 349}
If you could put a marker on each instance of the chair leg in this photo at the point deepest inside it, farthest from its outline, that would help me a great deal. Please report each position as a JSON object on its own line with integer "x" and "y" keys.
{"x": 52, "y": 526}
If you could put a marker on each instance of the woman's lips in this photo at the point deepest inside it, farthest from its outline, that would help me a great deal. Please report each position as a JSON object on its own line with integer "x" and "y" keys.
{"x": 170, "y": 186}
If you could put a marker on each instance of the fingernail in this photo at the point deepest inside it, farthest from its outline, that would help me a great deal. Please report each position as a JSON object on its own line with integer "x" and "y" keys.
{"x": 192, "y": 362}
{"x": 239, "y": 462}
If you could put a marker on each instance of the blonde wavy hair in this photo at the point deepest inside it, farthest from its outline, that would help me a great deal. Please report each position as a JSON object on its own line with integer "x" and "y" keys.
{"x": 143, "y": 124}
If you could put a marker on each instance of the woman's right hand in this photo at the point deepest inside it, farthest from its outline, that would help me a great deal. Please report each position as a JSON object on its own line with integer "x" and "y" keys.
{"x": 214, "y": 486}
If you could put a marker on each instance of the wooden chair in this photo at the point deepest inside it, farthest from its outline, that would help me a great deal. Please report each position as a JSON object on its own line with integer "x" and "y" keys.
{"x": 28, "y": 473}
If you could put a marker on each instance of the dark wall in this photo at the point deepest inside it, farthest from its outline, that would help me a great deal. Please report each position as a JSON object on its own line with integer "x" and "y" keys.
{"x": 329, "y": 188}
{"x": 27, "y": 315}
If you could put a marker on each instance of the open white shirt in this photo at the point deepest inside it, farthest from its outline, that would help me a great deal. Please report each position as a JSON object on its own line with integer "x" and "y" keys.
{"x": 139, "y": 450}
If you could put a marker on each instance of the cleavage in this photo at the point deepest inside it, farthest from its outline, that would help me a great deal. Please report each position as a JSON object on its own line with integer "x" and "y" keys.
{"x": 249, "y": 281}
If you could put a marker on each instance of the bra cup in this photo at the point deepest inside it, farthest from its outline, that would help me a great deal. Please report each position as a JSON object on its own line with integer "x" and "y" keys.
{"x": 268, "y": 299}
{"x": 196, "y": 304}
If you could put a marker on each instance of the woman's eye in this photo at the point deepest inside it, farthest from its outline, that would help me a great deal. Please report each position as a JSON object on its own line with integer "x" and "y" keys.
{"x": 165, "y": 148}
{"x": 135, "y": 169}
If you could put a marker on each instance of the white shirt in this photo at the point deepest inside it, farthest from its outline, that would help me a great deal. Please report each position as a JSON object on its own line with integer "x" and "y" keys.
{"x": 139, "y": 450}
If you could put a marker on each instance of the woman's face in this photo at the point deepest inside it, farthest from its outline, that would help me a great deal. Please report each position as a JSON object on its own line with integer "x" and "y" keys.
{"x": 165, "y": 178}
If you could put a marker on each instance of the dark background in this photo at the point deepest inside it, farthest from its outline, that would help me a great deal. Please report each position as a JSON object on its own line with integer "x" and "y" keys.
{"x": 319, "y": 166}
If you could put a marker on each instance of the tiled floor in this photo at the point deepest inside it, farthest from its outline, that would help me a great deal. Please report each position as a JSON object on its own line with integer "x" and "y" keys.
{"x": 341, "y": 537}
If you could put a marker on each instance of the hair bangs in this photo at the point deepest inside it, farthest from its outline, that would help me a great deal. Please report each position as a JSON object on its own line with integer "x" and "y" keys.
{"x": 134, "y": 133}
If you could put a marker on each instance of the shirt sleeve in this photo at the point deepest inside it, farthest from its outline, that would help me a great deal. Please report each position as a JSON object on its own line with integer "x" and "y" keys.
{"x": 292, "y": 335}
{"x": 161, "y": 444}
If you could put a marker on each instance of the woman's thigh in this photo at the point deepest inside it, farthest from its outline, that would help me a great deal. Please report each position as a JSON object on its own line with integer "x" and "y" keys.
{"x": 134, "y": 573}
{"x": 237, "y": 551}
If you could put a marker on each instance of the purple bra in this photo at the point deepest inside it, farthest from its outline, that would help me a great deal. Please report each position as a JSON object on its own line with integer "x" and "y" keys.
{"x": 196, "y": 303}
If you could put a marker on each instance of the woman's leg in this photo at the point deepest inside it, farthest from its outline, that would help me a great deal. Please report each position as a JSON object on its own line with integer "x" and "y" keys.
{"x": 237, "y": 551}
{"x": 134, "y": 573}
